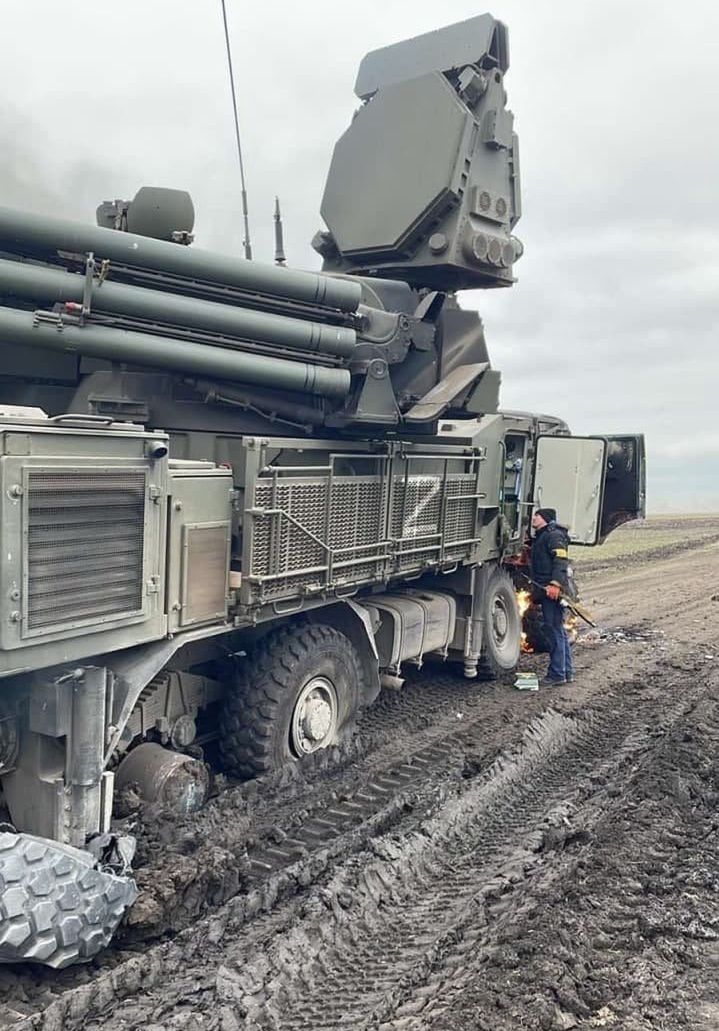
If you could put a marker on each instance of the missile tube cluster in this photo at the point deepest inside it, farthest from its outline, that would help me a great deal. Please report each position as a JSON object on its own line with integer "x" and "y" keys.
{"x": 242, "y": 339}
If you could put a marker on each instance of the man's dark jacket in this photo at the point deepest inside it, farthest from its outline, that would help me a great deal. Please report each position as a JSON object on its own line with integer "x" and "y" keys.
{"x": 550, "y": 555}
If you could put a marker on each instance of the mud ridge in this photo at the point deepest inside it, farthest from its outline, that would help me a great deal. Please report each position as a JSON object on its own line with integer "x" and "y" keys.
{"x": 627, "y": 935}
{"x": 651, "y": 555}
{"x": 409, "y": 904}
{"x": 550, "y": 866}
{"x": 382, "y": 913}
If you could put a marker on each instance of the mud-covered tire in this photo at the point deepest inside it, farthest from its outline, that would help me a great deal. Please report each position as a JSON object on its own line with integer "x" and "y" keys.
{"x": 260, "y": 710}
{"x": 502, "y": 638}
{"x": 56, "y": 908}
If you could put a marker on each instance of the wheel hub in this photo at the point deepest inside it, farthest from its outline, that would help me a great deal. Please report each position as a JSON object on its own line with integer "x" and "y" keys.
{"x": 317, "y": 719}
{"x": 499, "y": 620}
{"x": 314, "y": 719}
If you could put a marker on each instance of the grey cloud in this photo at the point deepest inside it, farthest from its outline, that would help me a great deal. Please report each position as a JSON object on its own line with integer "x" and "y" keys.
{"x": 615, "y": 318}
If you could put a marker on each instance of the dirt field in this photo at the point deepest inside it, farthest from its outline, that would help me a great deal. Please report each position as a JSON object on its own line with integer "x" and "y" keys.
{"x": 655, "y": 537}
{"x": 478, "y": 858}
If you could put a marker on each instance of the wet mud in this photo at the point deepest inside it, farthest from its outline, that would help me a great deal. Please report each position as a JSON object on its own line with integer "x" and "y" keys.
{"x": 476, "y": 857}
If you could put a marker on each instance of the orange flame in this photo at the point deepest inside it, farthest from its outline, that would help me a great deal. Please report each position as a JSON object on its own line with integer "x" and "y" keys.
{"x": 524, "y": 603}
{"x": 571, "y": 625}
{"x": 524, "y": 600}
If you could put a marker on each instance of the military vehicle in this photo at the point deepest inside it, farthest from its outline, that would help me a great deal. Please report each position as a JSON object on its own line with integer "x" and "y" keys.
{"x": 236, "y": 499}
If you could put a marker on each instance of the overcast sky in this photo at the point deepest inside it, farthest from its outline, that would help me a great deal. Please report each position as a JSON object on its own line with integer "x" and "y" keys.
{"x": 614, "y": 323}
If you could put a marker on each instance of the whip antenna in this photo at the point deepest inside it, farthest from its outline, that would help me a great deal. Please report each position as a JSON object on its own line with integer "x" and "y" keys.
{"x": 245, "y": 217}
{"x": 279, "y": 240}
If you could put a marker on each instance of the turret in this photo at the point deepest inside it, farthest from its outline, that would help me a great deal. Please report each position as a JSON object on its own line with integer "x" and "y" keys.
{"x": 424, "y": 184}
{"x": 421, "y": 200}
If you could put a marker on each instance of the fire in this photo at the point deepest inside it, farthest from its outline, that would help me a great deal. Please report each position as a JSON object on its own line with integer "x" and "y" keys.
{"x": 571, "y": 625}
{"x": 524, "y": 601}
{"x": 524, "y": 604}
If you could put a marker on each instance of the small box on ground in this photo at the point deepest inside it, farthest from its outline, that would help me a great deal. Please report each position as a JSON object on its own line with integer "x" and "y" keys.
{"x": 527, "y": 682}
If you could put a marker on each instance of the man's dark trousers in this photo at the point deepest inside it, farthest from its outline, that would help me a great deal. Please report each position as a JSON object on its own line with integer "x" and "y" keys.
{"x": 560, "y": 652}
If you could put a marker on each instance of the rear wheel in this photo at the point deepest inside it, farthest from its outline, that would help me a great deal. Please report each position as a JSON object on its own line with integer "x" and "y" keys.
{"x": 502, "y": 628}
{"x": 298, "y": 692}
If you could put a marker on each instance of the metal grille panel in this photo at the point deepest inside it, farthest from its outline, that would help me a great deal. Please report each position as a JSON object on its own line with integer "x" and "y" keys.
{"x": 207, "y": 563}
{"x": 85, "y": 545}
{"x": 460, "y": 522}
{"x": 290, "y": 546}
{"x": 419, "y": 529}
{"x": 315, "y": 533}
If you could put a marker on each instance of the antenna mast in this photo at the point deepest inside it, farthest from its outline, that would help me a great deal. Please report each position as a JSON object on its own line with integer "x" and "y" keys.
{"x": 279, "y": 241}
{"x": 245, "y": 216}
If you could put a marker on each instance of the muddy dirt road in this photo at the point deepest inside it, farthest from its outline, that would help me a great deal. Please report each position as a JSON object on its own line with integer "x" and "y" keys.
{"x": 479, "y": 858}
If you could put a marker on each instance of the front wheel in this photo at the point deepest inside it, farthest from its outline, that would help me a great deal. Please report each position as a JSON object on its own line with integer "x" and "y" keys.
{"x": 298, "y": 692}
{"x": 502, "y": 623}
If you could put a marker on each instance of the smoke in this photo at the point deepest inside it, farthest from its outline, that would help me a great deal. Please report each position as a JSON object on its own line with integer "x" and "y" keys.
{"x": 32, "y": 177}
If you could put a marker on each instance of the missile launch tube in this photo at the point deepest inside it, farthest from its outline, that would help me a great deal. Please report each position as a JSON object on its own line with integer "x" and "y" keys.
{"x": 20, "y": 327}
{"x": 41, "y": 283}
{"x": 26, "y": 233}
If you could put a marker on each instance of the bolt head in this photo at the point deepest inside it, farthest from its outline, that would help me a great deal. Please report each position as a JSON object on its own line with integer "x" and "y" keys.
{"x": 378, "y": 368}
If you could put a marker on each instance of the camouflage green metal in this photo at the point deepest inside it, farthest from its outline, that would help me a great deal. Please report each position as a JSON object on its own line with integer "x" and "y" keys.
{"x": 236, "y": 498}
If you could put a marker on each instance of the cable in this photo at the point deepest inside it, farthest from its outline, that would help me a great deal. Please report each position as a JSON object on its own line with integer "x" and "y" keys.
{"x": 246, "y": 242}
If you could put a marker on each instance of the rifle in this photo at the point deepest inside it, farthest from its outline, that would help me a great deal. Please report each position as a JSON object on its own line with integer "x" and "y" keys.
{"x": 569, "y": 603}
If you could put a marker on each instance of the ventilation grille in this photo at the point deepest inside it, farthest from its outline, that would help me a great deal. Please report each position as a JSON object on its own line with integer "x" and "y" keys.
{"x": 84, "y": 545}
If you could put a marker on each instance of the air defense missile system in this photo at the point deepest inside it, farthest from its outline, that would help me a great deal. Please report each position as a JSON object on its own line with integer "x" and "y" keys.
{"x": 236, "y": 499}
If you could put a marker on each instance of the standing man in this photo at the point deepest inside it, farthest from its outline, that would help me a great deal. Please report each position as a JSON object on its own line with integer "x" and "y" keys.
{"x": 549, "y": 562}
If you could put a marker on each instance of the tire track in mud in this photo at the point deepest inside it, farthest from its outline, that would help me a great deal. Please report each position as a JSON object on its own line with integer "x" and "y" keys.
{"x": 350, "y": 802}
{"x": 622, "y": 933}
{"x": 410, "y": 907}
{"x": 258, "y": 828}
{"x": 263, "y": 903}
{"x": 384, "y": 917}
{"x": 179, "y": 887}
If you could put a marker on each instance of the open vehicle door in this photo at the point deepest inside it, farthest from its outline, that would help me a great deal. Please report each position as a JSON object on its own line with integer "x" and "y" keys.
{"x": 594, "y": 483}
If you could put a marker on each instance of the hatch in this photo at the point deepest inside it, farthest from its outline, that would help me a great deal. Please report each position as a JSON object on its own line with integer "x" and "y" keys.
{"x": 594, "y": 483}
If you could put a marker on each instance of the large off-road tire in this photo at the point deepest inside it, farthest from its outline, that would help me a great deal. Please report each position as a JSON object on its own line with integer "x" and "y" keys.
{"x": 502, "y": 640}
{"x": 56, "y": 908}
{"x": 298, "y": 691}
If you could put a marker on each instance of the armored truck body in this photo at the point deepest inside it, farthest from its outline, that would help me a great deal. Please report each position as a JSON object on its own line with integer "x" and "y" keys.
{"x": 235, "y": 499}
